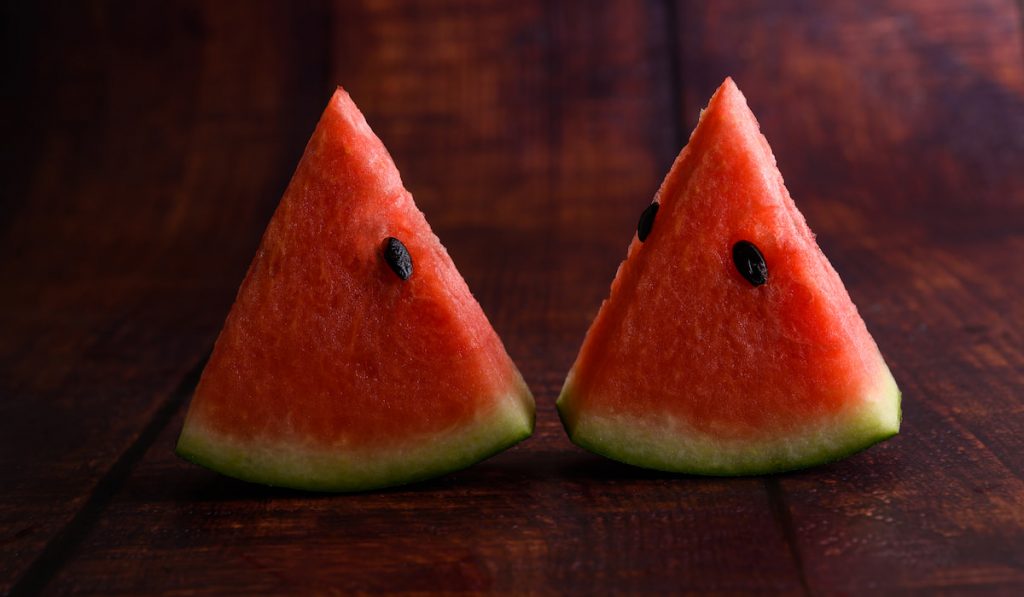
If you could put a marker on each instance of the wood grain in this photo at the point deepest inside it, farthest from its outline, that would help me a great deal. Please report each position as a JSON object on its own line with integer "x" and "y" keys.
{"x": 152, "y": 145}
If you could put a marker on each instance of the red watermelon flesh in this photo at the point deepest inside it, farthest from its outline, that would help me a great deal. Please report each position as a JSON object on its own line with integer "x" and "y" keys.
{"x": 331, "y": 372}
{"x": 689, "y": 366}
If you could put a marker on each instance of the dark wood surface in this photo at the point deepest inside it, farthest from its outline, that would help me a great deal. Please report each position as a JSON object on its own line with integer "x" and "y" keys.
{"x": 146, "y": 147}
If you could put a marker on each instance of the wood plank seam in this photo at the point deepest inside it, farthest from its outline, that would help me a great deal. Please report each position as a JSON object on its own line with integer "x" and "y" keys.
{"x": 61, "y": 546}
{"x": 1020, "y": 20}
{"x": 675, "y": 62}
{"x": 780, "y": 511}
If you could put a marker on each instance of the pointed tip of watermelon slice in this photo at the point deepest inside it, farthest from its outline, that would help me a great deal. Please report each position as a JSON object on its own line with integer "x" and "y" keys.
{"x": 726, "y": 93}
{"x": 728, "y": 86}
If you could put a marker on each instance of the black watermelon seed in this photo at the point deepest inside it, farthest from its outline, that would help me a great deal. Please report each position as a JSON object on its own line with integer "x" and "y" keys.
{"x": 750, "y": 262}
{"x": 643, "y": 227}
{"x": 398, "y": 258}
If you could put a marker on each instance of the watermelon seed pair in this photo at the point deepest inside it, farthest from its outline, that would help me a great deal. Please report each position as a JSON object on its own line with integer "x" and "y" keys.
{"x": 745, "y": 255}
{"x": 324, "y": 378}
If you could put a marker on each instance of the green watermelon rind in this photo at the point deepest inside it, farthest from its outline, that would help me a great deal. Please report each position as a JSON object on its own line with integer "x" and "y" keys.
{"x": 623, "y": 439}
{"x": 294, "y": 466}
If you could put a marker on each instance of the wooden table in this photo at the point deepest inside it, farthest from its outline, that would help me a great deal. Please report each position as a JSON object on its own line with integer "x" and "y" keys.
{"x": 146, "y": 147}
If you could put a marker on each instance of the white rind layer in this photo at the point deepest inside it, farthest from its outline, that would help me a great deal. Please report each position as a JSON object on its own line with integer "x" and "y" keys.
{"x": 292, "y": 464}
{"x": 665, "y": 443}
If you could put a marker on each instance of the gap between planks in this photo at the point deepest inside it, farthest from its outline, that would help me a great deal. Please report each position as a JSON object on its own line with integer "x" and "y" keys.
{"x": 780, "y": 511}
{"x": 1020, "y": 23}
{"x": 60, "y": 547}
{"x": 675, "y": 65}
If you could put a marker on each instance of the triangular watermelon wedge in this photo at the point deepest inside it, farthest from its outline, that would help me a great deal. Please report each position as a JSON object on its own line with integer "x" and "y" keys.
{"x": 729, "y": 345}
{"x": 334, "y": 373}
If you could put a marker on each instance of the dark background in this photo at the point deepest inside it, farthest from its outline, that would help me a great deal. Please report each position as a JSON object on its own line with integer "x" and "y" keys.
{"x": 145, "y": 148}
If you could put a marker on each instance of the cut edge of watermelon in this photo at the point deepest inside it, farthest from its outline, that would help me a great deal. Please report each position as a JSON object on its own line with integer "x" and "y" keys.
{"x": 284, "y": 464}
{"x": 666, "y": 444}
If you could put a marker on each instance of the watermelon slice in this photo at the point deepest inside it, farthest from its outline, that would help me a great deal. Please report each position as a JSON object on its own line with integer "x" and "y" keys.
{"x": 729, "y": 345}
{"x": 354, "y": 356}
